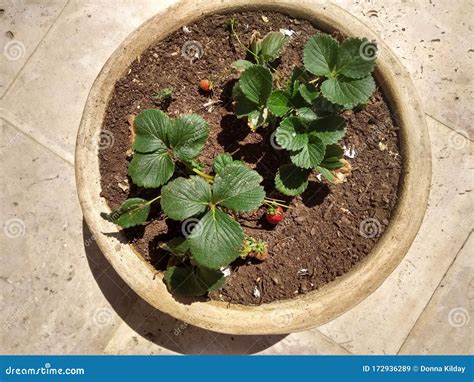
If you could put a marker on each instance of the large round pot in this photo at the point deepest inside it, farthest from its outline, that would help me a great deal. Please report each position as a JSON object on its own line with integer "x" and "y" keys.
{"x": 305, "y": 311}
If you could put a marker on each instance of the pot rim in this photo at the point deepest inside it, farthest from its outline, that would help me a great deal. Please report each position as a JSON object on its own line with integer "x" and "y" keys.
{"x": 305, "y": 311}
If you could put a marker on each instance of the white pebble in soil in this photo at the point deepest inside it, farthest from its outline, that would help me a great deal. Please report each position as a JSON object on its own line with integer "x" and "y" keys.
{"x": 226, "y": 271}
{"x": 302, "y": 272}
{"x": 350, "y": 152}
{"x": 256, "y": 292}
{"x": 287, "y": 32}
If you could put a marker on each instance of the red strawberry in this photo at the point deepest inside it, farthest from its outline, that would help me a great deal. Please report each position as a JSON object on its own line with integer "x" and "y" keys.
{"x": 205, "y": 85}
{"x": 274, "y": 215}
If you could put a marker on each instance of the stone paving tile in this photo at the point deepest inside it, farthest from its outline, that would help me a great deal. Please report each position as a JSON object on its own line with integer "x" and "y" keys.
{"x": 447, "y": 324}
{"x": 148, "y": 331}
{"x": 433, "y": 39}
{"x": 380, "y": 324}
{"x": 50, "y": 299}
{"x": 49, "y": 95}
{"x": 305, "y": 343}
{"x": 22, "y": 26}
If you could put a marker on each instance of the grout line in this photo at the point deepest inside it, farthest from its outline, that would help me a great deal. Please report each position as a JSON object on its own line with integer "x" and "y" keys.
{"x": 434, "y": 292}
{"x": 329, "y": 339}
{"x": 460, "y": 132}
{"x": 44, "y": 142}
{"x": 33, "y": 52}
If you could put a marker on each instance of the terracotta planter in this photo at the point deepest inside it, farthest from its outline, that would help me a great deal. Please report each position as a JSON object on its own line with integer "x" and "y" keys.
{"x": 305, "y": 311}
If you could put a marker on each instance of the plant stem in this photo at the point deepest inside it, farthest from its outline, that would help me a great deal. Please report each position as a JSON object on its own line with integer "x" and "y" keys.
{"x": 273, "y": 203}
{"x": 153, "y": 200}
{"x": 276, "y": 200}
{"x": 234, "y": 33}
{"x": 208, "y": 177}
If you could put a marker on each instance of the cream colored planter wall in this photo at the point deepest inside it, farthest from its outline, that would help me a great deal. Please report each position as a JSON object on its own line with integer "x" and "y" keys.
{"x": 302, "y": 312}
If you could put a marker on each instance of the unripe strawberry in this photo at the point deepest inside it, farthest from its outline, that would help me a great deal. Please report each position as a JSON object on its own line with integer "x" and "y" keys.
{"x": 205, "y": 85}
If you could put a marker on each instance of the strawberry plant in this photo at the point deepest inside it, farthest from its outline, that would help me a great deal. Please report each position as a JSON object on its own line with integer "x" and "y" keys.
{"x": 163, "y": 95}
{"x": 261, "y": 51}
{"x": 254, "y": 248}
{"x": 211, "y": 200}
{"x": 216, "y": 239}
{"x": 345, "y": 68}
{"x": 306, "y": 111}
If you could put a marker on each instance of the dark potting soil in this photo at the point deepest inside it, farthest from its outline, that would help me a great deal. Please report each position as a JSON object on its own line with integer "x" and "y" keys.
{"x": 325, "y": 232}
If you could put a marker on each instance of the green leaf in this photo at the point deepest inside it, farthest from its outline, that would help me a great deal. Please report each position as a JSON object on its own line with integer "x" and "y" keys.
{"x": 310, "y": 155}
{"x": 308, "y": 92}
{"x": 272, "y": 46}
{"x": 320, "y": 54}
{"x": 257, "y": 118}
{"x": 132, "y": 212}
{"x": 188, "y": 136}
{"x": 151, "y": 127}
{"x": 256, "y": 84}
{"x": 210, "y": 279}
{"x": 151, "y": 170}
{"x": 324, "y": 107}
{"x": 219, "y": 241}
{"x": 242, "y": 105}
{"x": 279, "y": 103}
{"x": 241, "y": 65}
{"x": 182, "y": 281}
{"x": 332, "y": 157}
{"x": 183, "y": 198}
{"x": 331, "y": 161}
{"x": 306, "y": 114}
{"x": 291, "y": 180}
{"x": 193, "y": 281}
{"x": 220, "y": 161}
{"x": 356, "y": 58}
{"x": 178, "y": 246}
{"x": 327, "y": 174}
{"x": 330, "y": 129}
{"x": 348, "y": 92}
{"x": 237, "y": 187}
{"x": 292, "y": 134}
{"x": 297, "y": 76}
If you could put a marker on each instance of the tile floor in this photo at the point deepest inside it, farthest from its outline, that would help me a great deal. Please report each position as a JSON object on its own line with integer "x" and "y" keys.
{"x": 59, "y": 295}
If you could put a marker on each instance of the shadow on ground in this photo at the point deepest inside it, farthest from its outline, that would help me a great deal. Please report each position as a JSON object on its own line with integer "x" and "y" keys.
{"x": 158, "y": 327}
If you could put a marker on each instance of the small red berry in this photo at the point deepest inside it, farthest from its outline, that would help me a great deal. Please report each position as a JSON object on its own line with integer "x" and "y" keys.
{"x": 274, "y": 215}
{"x": 205, "y": 85}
